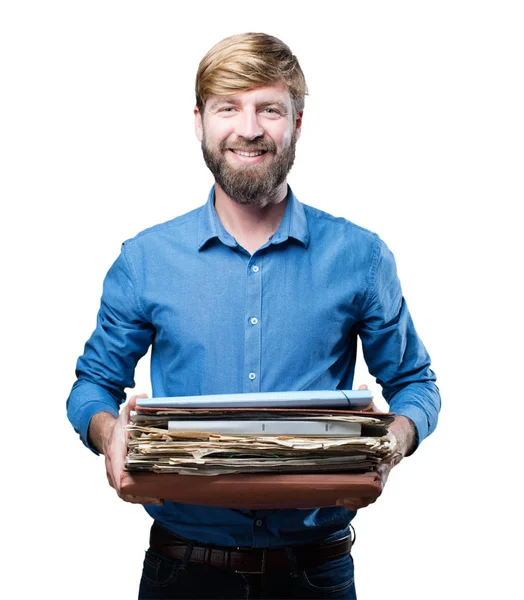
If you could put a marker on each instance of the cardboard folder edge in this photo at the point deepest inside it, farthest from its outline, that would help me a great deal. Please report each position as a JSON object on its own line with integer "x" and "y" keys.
{"x": 253, "y": 491}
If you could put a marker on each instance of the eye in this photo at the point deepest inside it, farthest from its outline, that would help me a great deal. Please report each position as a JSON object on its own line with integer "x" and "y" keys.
{"x": 271, "y": 111}
{"x": 226, "y": 110}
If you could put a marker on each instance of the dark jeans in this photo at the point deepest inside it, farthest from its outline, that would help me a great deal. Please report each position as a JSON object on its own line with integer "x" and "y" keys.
{"x": 165, "y": 578}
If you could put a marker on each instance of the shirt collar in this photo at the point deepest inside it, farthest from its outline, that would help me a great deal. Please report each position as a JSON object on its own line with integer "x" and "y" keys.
{"x": 293, "y": 225}
{"x": 210, "y": 227}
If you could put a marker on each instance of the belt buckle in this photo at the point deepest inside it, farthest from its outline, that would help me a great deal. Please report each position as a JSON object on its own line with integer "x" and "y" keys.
{"x": 262, "y": 566}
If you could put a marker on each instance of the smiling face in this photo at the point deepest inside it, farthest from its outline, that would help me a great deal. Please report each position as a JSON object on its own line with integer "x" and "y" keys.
{"x": 248, "y": 142}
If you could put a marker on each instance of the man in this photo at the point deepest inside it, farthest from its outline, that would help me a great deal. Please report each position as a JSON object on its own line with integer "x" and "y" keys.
{"x": 252, "y": 292}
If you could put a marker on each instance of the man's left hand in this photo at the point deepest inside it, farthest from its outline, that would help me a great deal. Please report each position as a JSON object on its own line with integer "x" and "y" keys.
{"x": 405, "y": 434}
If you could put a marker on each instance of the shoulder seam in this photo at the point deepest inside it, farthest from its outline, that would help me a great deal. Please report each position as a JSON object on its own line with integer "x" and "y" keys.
{"x": 180, "y": 220}
{"x": 134, "y": 277}
{"x": 375, "y": 259}
{"x": 320, "y": 214}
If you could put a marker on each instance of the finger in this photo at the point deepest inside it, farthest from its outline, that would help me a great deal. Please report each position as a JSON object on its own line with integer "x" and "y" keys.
{"x": 370, "y": 407}
{"x": 141, "y": 499}
{"x": 131, "y": 403}
{"x": 356, "y": 503}
{"x": 117, "y": 450}
{"x": 384, "y": 470}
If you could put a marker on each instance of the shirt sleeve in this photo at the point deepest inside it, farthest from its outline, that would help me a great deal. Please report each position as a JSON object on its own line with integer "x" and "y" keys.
{"x": 122, "y": 336}
{"x": 393, "y": 351}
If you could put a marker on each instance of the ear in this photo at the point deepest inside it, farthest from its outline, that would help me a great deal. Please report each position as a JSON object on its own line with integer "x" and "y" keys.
{"x": 199, "y": 129}
{"x": 298, "y": 124}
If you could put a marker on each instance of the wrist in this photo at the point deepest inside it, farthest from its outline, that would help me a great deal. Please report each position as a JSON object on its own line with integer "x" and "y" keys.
{"x": 100, "y": 430}
{"x": 405, "y": 433}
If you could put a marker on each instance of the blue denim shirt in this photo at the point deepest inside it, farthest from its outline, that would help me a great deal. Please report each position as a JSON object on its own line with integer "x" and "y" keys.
{"x": 223, "y": 321}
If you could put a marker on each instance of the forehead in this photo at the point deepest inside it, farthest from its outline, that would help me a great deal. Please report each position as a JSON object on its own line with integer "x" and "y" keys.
{"x": 267, "y": 94}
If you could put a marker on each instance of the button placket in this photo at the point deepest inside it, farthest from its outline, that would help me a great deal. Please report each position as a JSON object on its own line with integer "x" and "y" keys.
{"x": 252, "y": 328}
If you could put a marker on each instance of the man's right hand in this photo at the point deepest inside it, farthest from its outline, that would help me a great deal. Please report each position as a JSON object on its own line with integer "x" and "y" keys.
{"x": 108, "y": 436}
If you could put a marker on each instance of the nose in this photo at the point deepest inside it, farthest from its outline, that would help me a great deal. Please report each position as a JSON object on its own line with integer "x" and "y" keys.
{"x": 248, "y": 125}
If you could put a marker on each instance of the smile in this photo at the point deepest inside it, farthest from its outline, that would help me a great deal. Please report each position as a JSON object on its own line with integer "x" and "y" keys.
{"x": 249, "y": 154}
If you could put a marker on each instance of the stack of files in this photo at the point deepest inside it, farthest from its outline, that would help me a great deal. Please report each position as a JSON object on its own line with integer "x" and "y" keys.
{"x": 250, "y": 448}
{"x": 209, "y": 442}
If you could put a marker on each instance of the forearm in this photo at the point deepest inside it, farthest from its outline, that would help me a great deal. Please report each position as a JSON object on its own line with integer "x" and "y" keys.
{"x": 418, "y": 402}
{"x": 394, "y": 353}
{"x": 100, "y": 429}
{"x": 122, "y": 336}
{"x": 405, "y": 434}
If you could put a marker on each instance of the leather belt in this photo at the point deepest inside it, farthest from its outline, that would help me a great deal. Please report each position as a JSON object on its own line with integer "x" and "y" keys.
{"x": 244, "y": 560}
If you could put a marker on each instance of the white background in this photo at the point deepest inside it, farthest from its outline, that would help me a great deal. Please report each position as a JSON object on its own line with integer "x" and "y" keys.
{"x": 413, "y": 128}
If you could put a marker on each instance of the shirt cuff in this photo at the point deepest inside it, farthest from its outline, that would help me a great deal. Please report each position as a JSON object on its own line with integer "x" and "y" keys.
{"x": 420, "y": 404}
{"x": 86, "y": 400}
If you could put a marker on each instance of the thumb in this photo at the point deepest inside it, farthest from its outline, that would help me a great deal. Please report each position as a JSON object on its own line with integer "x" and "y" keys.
{"x": 131, "y": 403}
{"x": 371, "y": 407}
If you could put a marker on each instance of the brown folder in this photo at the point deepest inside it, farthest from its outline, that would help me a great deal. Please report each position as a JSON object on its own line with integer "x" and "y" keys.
{"x": 254, "y": 491}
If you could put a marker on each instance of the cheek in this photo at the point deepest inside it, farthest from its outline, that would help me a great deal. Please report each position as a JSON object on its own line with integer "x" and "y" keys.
{"x": 217, "y": 131}
{"x": 282, "y": 133}
{"x": 285, "y": 137}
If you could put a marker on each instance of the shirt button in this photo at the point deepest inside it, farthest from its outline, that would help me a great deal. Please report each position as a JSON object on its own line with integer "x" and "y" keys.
{"x": 255, "y": 269}
{"x": 252, "y": 376}
{"x": 258, "y": 523}
{"x": 253, "y": 320}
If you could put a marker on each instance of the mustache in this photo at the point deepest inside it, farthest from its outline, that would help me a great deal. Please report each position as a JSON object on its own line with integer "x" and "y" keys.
{"x": 249, "y": 145}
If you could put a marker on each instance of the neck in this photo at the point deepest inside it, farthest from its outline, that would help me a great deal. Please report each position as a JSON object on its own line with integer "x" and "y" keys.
{"x": 251, "y": 226}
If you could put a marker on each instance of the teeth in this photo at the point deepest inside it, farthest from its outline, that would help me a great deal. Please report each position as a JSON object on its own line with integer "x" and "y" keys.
{"x": 240, "y": 153}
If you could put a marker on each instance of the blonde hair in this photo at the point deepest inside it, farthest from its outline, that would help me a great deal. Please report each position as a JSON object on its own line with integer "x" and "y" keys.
{"x": 246, "y": 61}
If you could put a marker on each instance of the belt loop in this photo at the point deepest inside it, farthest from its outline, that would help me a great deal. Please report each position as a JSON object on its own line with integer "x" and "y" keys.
{"x": 264, "y": 560}
{"x": 262, "y": 566}
{"x": 187, "y": 555}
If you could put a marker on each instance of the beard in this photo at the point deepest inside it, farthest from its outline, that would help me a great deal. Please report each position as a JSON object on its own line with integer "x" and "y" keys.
{"x": 251, "y": 185}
